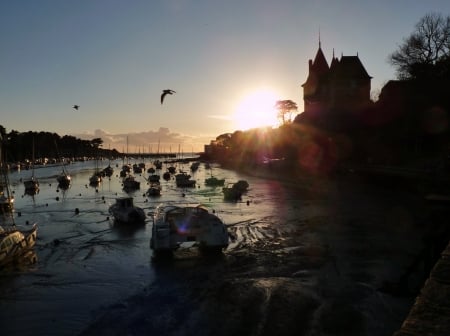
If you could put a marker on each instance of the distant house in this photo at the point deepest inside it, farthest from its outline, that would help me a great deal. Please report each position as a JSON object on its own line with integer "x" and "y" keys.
{"x": 341, "y": 87}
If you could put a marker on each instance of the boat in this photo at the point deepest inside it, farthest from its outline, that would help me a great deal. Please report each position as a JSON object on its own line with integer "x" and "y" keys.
{"x": 108, "y": 171}
{"x": 15, "y": 243}
{"x": 174, "y": 225}
{"x": 194, "y": 166}
{"x": 166, "y": 176}
{"x": 6, "y": 203}
{"x": 184, "y": 180}
{"x": 31, "y": 185}
{"x": 154, "y": 189}
{"x": 6, "y": 197}
{"x": 137, "y": 169}
{"x": 130, "y": 183}
{"x": 64, "y": 179}
{"x": 233, "y": 192}
{"x": 124, "y": 211}
{"x": 158, "y": 164}
{"x": 154, "y": 178}
{"x": 214, "y": 181}
{"x": 95, "y": 179}
{"x": 241, "y": 185}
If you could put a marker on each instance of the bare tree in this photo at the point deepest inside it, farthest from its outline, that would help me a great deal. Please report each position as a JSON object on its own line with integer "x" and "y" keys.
{"x": 285, "y": 109}
{"x": 426, "y": 51}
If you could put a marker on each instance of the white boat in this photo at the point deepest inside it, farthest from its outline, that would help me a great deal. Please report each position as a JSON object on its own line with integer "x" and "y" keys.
{"x": 174, "y": 225}
{"x": 124, "y": 211}
{"x": 15, "y": 243}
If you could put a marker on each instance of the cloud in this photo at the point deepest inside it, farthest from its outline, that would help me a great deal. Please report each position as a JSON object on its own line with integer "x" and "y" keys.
{"x": 148, "y": 141}
{"x": 220, "y": 117}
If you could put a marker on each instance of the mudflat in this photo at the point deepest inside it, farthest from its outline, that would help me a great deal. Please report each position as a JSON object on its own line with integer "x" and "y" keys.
{"x": 315, "y": 257}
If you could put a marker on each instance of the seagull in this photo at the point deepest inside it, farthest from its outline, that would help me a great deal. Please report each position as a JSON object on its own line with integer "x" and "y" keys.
{"x": 76, "y": 107}
{"x": 165, "y": 92}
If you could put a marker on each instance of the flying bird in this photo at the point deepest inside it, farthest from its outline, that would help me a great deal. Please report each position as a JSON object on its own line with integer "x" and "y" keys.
{"x": 166, "y": 92}
{"x": 76, "y": 107}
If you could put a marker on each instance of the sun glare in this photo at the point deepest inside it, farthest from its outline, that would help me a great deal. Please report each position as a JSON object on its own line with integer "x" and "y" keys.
{"x": 256, "y": 110}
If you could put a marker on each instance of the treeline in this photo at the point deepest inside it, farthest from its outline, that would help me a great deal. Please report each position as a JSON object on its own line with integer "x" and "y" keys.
{"x": 408, "y": 126}
{"x": 19, "y": 146}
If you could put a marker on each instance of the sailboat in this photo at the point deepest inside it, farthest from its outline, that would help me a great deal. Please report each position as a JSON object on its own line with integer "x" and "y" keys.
{"x": 64, "y": 178}
{"x": 108, "y": 171}
{"x": 96, "y": 177}
{"x": 6, "y": 200}
{"x": 32, "y": 185}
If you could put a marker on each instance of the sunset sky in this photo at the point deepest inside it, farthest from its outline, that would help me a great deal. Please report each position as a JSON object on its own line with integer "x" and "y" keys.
{"x": 228, "y": 62}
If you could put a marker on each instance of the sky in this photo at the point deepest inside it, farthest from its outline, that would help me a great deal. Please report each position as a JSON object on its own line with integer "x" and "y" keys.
{"x": 228, "y": 62}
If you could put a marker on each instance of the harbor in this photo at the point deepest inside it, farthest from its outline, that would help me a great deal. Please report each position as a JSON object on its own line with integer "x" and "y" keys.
{"x": 336, "y": 253}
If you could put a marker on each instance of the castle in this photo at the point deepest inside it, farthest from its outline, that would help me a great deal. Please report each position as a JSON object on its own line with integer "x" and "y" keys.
{"x": 344, "y": 86}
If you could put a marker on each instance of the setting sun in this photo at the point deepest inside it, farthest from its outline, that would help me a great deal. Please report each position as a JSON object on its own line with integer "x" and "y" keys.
{"x": 256, "y": 110}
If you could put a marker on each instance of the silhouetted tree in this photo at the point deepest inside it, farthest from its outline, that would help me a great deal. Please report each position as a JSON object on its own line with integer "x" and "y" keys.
{"x": 426, "y": 52}
{"x": 285, "y": 109}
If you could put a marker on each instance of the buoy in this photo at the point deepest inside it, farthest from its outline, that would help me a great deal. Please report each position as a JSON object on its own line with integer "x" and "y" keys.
{"x": 183, "y": 194}
{"x": 57, "y": 198}
{"x": 27, "y": 223}
{"x": 19, "y": 214}
{"x": 77, "y": 211}
{"x": 248, "y": 202}
{"x": 57, "y": 190}
{"x": 103, "y": 197}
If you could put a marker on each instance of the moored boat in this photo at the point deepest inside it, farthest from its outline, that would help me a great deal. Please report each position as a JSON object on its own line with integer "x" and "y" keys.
{"x": 130, "y": 183}
{"x": 184, "y": 180}
{"x": 154, "y": 189}
{"x": 124, "y": 211}
{"x": 174, "y": 225}
{"x": 214, "y": 181}
{"x": 6, "y": 197}
{"x": 15, "y": 243}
